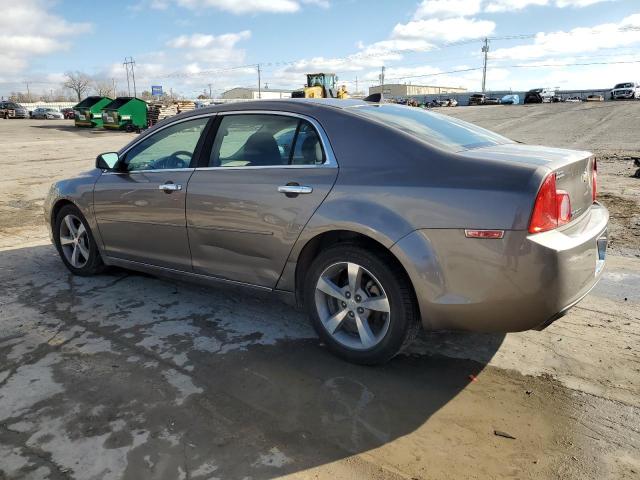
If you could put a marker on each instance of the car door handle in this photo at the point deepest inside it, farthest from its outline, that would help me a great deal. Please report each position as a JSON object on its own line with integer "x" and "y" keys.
{"x": 295, "y": 189}
{"x": 169, "y": 187}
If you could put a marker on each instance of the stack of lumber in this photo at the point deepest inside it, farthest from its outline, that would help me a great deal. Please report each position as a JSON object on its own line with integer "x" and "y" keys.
{"x": 185, "y": 106}
{"x": 160, "y": 111}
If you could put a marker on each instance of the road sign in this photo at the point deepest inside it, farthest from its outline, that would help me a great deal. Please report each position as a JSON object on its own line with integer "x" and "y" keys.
{"x": 156, "y": 90}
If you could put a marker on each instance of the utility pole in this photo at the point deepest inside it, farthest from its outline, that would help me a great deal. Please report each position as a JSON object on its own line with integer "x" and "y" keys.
{"x": 209, "y": 89}
{"x": 126, "y": 67}
{"x": 28, "y": 92}
{"x": 485, "y": 50}
{"x": 113, "y": 81}
{"x": 356, "y": 84}
{"x": 382, "y": 78}
{"x": 259, "y": 86}
{"x": 129, "y": 63}
{"x": 133, "y": 74}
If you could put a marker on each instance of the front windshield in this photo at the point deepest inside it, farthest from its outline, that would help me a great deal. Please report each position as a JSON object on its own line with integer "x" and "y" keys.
{"x": 319, "y": 80}
{"x": 439, "y": 130}
{"x": 624, "y": 85}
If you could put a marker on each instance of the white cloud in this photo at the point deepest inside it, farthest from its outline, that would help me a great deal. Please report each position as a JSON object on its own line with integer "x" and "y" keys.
{"x": 211, "y": 49}
{"x": 494, "y": 6}
{"x": 579, "y": 3}
{"x": 199, "y": 40}
{"x": 446, "y": 8}
{"x": 28, "y": 29}
{"x": 578, "y": 40}
{"x": 244, "y": 6}
{"x": 445, "y": 30}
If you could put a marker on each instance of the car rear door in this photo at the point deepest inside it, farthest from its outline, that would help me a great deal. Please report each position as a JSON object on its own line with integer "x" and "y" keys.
{"x": 267, "y": 174}
{"x": 140, "y": 209}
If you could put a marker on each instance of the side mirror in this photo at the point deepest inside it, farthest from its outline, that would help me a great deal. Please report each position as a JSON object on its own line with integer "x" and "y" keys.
{"x": 107, "y": 161}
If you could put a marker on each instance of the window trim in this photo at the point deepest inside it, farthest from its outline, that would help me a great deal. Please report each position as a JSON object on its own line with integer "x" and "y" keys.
{"x": 330, "y": 159}
{"x": 197, "y": 152}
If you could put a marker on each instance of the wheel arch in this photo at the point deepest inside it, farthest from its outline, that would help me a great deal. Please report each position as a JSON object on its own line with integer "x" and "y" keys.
{"x": 59, "y": 205}
{"x": 329, "y": 238}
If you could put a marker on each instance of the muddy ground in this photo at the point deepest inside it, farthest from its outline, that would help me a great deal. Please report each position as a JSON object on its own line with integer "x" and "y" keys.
{"x": 125, "y": 376}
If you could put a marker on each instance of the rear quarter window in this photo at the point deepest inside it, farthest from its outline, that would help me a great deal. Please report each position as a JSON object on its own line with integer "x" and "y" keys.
{"x": 439, "y": 130}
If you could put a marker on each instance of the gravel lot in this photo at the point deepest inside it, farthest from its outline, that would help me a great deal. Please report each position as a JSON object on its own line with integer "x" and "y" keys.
{"x": 125, "y": 376}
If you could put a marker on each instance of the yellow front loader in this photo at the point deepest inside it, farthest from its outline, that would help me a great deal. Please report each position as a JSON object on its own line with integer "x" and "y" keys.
{"x": 321, "y": 85}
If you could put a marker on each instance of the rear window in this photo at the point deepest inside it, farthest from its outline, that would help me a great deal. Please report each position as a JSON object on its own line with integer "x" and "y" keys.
{"x": 439, "y": 130}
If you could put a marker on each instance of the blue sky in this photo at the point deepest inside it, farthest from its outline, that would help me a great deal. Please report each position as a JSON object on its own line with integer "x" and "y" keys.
{"x": 187, "y": 44}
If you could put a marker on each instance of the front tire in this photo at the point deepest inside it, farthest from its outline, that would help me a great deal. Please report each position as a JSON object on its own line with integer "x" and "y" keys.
{"x": 361, "y": 304}
{"x": 75, "y": 243}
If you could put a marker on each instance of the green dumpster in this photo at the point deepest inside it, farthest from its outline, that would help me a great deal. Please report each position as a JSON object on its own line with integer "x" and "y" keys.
{"x": 125, "y": 113}
{"x": 88, "y": 113}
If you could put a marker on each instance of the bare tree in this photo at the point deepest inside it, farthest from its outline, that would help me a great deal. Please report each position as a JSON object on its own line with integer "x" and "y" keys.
{"x": 104, "y": 88}
{"x": 78, "y": 82}
{"x": 146, "y": 95}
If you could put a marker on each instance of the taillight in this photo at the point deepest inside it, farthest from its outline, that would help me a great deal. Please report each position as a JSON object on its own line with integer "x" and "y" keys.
{"x": 594, "y": 180}
{"x": 564, "y": 207}
{"x": 552, "y": 207}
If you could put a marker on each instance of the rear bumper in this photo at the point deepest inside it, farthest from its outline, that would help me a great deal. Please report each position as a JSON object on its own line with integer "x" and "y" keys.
{"x": 520, "y": 282}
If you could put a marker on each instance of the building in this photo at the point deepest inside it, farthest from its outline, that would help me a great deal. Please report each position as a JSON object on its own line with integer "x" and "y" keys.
{"x": 247, "y": 93}
{"x": 407, "y": 90}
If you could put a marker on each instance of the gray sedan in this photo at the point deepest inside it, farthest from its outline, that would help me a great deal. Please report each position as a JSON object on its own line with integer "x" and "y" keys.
{"x": 375, "y": 218}
{"x": 47, "y": 113}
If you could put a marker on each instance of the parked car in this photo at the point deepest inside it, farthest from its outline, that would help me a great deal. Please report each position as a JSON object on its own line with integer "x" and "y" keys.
{"x": 47, "y": 113}
{"x": 365, "y": 220}
{"x": 539, "y": 95}
{"x": 12, "y": 110}
{"x": 492, "y": 101}
{"x": 595, "y": 98}
{"x": 477, "y": 99}
{"x": 628, "y": 90}
{"x": 450, "y": 102}
{"x": 68, "y": 113}
{"x": 510, "y": 100}
{"x": 574, "y": 100}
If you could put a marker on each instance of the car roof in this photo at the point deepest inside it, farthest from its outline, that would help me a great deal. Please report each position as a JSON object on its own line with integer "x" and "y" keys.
{"x": 290, "y": 104}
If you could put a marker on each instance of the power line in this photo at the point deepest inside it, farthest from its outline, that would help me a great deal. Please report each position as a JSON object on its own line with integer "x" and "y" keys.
{"x": 538, "y": 65}
{"x": 436, "y": 74}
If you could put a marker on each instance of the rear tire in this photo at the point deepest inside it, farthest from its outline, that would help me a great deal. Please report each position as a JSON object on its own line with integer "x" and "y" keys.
{"x": 75, "y": 243}
{"x": 341, "y": 318}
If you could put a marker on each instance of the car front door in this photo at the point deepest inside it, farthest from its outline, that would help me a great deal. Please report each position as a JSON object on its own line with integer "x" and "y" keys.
{"x": 267, "y": 174}
{"x": 140, "y": 208}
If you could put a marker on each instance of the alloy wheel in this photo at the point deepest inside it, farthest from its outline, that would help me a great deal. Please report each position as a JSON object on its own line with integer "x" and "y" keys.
{"x": 352, "y": 305}
{"x": 74, "y": 241}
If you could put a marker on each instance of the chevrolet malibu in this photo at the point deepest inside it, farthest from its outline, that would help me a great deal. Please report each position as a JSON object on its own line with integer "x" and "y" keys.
{"x": 375, "y": 218}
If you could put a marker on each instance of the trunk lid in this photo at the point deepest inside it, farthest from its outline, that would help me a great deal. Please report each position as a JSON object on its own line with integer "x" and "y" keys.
{"x": 573, "y": 168}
